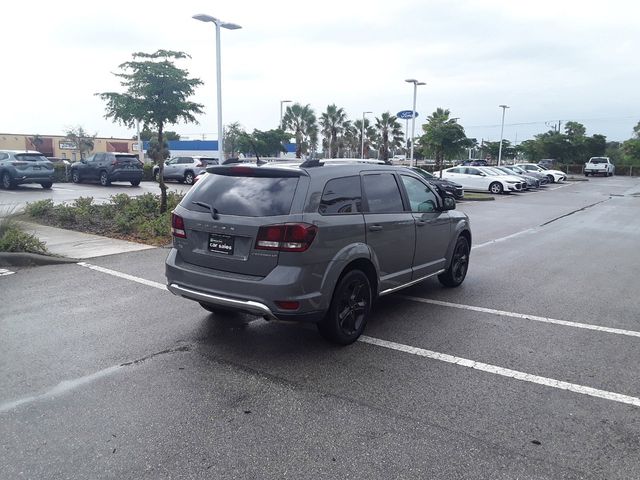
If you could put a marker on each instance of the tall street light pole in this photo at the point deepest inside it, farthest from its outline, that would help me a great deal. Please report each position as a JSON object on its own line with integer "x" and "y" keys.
{"x": 362, "y": 150}
{"x": 504, "y": 109}
{"x": 413, "y": 116}
{"x": 229, "y": 26}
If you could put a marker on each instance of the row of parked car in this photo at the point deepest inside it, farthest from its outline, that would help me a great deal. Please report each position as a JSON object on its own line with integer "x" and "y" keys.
{"x": 501, "y": 179}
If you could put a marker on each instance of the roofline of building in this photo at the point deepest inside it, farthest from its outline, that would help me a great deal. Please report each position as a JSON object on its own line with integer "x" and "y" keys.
{"x": 63, "y": 136}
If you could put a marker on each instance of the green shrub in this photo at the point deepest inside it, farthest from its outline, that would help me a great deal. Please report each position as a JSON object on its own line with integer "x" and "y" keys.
{"x": 147, "y": 171}
{"x": 13, "y": 239}
{"x": 60, "y": 172}
{"x": 41, "y": 208}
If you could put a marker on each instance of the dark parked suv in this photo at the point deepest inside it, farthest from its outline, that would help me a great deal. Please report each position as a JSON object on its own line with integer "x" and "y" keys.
{"x": 313, "y": 242}
{"x": 108, "y": 167}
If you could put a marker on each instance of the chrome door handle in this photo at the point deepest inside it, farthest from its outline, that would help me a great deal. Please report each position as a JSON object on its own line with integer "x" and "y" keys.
{"x": 375, "y": 228}
{"x": 421, "y": 223}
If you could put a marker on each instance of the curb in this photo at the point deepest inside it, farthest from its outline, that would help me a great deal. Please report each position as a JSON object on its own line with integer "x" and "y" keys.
{"x": 23, "y": 259}
{"x": 479, "y": 199}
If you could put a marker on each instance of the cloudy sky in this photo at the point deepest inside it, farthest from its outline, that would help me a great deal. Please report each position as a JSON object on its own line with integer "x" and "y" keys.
{"x": 549, "y": 60}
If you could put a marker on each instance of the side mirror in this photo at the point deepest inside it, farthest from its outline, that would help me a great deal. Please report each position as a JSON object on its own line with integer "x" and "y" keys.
{"x": 448, "y": 203}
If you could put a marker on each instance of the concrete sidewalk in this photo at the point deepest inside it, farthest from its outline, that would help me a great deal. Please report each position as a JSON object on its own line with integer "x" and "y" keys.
{"x": 72, "y": 244}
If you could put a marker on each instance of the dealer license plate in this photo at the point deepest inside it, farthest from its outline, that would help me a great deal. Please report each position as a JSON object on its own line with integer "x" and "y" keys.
{"x": 221, "y": 243}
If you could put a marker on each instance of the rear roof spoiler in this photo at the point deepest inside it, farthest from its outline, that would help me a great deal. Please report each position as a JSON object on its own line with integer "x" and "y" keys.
{"x": 244, "y": 170}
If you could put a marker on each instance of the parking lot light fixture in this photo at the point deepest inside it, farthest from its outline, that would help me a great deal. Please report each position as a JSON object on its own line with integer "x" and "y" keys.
{"x": 229, "y": 26}
{"x": 413, "y": 116}
{"x": 504, "y": 108}
{"x": 362, "y": 151}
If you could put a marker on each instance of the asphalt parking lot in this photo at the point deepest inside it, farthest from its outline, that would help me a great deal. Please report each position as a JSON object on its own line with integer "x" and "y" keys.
{"x": 528, "y": 370}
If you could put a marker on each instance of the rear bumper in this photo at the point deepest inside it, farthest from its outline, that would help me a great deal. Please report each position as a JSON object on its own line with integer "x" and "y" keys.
{"x": 125, "y": 175}
{"x": 254, "y": 295}
{"x": 33, "y": 178}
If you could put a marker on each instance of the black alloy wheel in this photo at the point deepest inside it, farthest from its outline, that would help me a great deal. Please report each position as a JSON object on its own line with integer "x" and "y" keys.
{"x": 189, "y": 178}
{"x": 459, "y": 265}
{"x": 349, "y": 310}
{"x": 104, "y": 179}
{"x": 75, "y": 176}
{"x": 7, "y": 182}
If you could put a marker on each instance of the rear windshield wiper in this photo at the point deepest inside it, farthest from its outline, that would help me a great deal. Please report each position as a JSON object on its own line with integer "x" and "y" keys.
{"x": 214, "y": 212}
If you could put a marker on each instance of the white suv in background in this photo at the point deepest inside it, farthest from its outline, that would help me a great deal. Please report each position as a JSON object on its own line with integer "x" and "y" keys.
{"x": 184, "y": 168}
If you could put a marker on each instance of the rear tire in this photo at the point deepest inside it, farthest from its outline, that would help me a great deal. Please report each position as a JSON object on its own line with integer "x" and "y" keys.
{"x": 189, "y": 178}
{"x": 104, "y": 179}
{"x": 75, "y": 176}
{"x": 551, "y": 179}
{"x": 457, "y": 271}
{"x": 7, "y": 181}
{"x": 349, "y": 311}
{"x": 46, "y": 185}
{"x": 496, "y": 188}
{"x": 135, "y": 183}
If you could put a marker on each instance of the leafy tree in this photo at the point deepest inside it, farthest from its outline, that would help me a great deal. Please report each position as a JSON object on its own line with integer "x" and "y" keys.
{"x": 444, "y": 136}
{"x": 259, "y": 143}
{"x": 36, "y": 141}
{"x": 389, "y": 134}
{"x": 156, "y": 93}
{"x": 631, "y": 151}
{"x": 300, "y": 121}
{"x": 82, "y": 140}
{"x": 146, "y": 135}
{"x": 575, "y": 129}
{"x": 636, "y": 130}
{"x": 232, "y": 134}
{"x": 334, "y": 123}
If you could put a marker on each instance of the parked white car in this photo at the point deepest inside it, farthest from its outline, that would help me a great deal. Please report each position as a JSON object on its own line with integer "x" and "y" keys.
{"x": 494, "y": 171}
{"x": 554, "y": 176}
{"x": 474, "y": 179}
{"x": 601, "y": 165}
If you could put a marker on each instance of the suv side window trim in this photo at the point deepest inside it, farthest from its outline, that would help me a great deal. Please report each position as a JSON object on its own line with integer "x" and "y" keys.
{"x": 354, "y": 203}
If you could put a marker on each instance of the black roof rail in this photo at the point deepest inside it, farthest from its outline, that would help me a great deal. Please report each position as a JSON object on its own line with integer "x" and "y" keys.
{"x": 314, "y": 162}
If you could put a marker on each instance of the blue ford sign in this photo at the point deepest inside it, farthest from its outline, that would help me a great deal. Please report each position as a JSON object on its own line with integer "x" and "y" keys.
{"x": 406, "y": 114}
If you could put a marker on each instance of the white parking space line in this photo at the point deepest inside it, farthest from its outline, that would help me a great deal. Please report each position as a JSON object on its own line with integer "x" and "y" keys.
{"x": 4, "y": 272}
{"x": 444, "y": 357}
{"x": 524, "y": 316}
{"x": 505, "y": 372}
{"x": 502, "y": 239}
{"x": 126, "y": 276}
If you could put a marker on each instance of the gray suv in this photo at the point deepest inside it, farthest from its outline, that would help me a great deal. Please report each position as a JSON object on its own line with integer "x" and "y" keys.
{"x": 184, "y": 169}
{"x": 314, "y": 242}
{"x": 24, "y": 166}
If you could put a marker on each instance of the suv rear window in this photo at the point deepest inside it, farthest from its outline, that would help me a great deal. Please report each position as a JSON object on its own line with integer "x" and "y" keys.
{"x": 341, "y": 196}
{"x": 244, "y": 196}
{"x": 598, "y": 160}
{"x": 30, "y": 157}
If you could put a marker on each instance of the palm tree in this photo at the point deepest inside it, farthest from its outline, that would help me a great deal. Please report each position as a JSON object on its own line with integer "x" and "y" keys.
{"x": 300, "y": 122}
{"x": 369, "y": 136}
{"x": 389, "y": 133}
{"x": 443, "y": 135}
{"x": 333, "y": 123}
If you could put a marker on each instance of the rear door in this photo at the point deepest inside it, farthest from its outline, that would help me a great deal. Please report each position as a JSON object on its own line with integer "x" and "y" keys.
{"x": 390, "y": 229}
{"x": 170, "y": 168}
{"x": 432, "y": 228}
{"x": 226, "y": 209}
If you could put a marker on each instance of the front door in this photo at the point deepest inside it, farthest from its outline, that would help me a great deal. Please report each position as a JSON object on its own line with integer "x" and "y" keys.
{"x": 390, "y": 229}
{"x": 432, "y": 228}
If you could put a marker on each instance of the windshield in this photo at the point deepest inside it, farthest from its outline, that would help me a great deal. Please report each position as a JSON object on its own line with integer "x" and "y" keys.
{"x": 423, "y": 173}
{"x": 492, "y": 171}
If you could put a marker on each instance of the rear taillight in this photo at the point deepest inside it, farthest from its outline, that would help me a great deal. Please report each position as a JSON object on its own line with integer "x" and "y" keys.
{"x": 201, "y": 164}
{"x": 18, "y": 164}
{"x": 177, "y": 226}
{"x": 286, "y": 237}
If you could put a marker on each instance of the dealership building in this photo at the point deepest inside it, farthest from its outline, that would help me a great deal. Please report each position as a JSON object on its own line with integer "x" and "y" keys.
{"x": 59, "y": 146}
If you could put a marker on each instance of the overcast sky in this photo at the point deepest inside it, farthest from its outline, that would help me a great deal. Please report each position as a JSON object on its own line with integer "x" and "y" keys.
{"x": 549, "y": 60}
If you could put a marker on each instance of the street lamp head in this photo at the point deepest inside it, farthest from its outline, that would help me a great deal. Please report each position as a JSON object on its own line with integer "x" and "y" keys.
{"x": 411, "y": 80}
{"x": 503, "y": 106}
{"x": 286, "y": 101}
{"x": 208, "y": 18}
{"x": 205, "y": 18}
{"x": 366, "y": 112}
{"x": 421, "y": 83}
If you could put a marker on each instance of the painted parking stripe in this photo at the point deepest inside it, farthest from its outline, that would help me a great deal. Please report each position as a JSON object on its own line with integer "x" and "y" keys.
{"x": 126, "y": 276}
{"x": 524, "y": 316}
{"x": 485, "y": 367}
{"x": 505, "y": 372}
{"x": 502, "y": 239}
{"x": 4, "y": 271}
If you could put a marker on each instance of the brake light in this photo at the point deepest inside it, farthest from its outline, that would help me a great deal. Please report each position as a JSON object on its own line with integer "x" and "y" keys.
{"x": 201, "y": 164}
{"x": 241, "y": 170}
{"x": 287, "y": 304}
{"x": 18, "y": 164}
{"x": 286, "y": 237}
{"x": 177, "y": 226}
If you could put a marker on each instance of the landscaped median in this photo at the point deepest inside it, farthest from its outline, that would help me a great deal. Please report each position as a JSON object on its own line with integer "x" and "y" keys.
{"x": 477, "y": 197}
{"x": 137, "y": 219}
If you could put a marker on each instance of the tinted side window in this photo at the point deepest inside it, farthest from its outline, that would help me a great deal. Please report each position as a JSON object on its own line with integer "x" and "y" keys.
{"x": 185, "y": 160}
{"x": 383, "y": 194}
{"x": 341, "y": 195}
{"x": 421, "y": 198}
{"x": 4, "y": 156}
